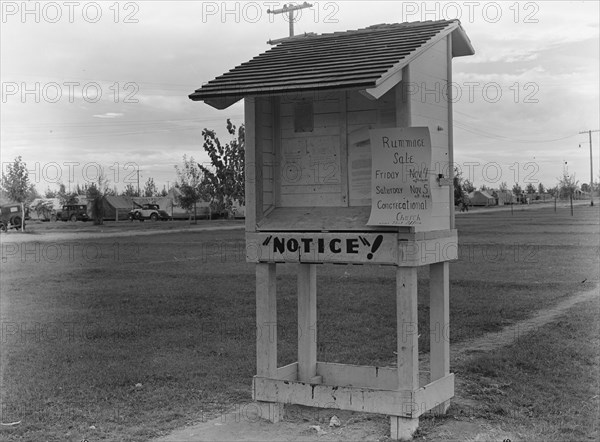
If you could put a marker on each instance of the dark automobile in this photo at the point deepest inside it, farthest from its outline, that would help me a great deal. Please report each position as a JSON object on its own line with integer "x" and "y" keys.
{"x": 73, "y": 212}
{"x": 10, "y": 217}
{"x": 148, "y": 211}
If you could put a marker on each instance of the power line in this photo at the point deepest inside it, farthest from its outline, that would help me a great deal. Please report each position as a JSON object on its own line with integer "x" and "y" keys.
{"x": 498, "y": 137}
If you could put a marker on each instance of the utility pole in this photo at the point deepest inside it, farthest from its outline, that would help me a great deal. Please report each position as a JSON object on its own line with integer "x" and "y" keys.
{"x": 138, "y": 180}
{"x": 589, "y": 132}
{"x": 290, "y": 10}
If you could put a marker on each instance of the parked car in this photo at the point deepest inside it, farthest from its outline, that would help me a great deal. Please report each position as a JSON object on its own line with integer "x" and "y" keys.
{"x": 73, "y": 212}
{"x": 10, "y": 217}
{"x": 148, "y": 211}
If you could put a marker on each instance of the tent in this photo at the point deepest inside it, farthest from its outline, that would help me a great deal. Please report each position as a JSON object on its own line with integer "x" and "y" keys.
{"x": 116, "y": 207}
{"x": 504, "y": 197}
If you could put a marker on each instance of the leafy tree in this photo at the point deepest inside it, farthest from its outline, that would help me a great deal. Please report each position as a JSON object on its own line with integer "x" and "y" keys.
{"x": 517, "y": 190}
{"x": 65, "y": 197}
{"x": 484, "y": 188}
{"x": 191, "y": 185}
{"x": 225, "y": 182}
{"x": 163, "y": 192}
{"x": 468, "y": 186}
{"x": 530, "y": 189}
{"x": 541, "y": 189}
{"x": 32, "y": 194}
{"x": 130, "y": 191}
{"x": 553, "y": 191}
{"x": 567, "y": 185}
{"x": 81, "y": 190}
{"x": 49, "y": 193}
{"x": 503, "y": 186}
{"x": 459, "y": 194}
{"x": 150, "y": 188}
{"x": 585, "y": 187}
{"x": 15, "y": 183}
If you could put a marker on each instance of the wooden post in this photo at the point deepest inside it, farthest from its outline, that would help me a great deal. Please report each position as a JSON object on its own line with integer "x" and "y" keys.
{"x": 450, "y": 128}
{"x": 266, "y": 334}
{"x": 402, "y": 428}
{"x": 307, "y": 322}
{"x": 439, "y": 325}
{"x": 253, "y": 162}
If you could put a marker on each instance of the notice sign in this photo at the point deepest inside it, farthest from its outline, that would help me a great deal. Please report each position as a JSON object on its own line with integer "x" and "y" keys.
{"x": 400, "y": 164}
{"x": 363, "y": 247}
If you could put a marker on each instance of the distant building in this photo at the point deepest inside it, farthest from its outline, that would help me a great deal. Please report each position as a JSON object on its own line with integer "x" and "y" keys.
{"x": 481, "y": 198}
{"x": 504, "y": 197}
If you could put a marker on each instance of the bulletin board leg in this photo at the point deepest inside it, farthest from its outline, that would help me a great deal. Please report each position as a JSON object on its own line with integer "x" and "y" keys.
{"x": 402, "y": 428}
{"x": 266, "y": 333}
{"x": 307, "y": 322}
{"x": 439, "y": 320}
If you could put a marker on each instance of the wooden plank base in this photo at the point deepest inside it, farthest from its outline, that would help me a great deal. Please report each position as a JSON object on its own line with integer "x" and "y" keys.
{"x": 401, "y": 403}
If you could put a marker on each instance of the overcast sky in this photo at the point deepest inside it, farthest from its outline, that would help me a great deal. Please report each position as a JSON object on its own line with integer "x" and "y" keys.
{"x": 529, "y": 90}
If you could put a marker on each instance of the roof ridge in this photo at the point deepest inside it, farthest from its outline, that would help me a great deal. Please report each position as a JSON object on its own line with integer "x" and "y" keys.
{"x": 373, "y": 28}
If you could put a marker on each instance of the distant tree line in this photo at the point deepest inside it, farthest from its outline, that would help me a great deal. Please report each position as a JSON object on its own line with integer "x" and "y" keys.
{"x": 565, "y": 188}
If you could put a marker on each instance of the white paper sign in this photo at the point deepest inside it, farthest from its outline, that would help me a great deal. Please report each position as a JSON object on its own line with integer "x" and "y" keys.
{"x": 400, "y": 187}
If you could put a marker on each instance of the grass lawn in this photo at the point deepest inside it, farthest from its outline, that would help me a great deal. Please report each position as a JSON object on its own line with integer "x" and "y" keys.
{"x": 128, "y": 338}
{"x": 545, "y": 385}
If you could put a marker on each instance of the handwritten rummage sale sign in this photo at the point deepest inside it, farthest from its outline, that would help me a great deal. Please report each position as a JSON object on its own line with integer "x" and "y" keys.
{"x": 400, "y": 188}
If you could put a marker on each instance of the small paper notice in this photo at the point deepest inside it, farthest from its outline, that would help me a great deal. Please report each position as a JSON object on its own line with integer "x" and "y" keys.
{"x": 400, "y": 187}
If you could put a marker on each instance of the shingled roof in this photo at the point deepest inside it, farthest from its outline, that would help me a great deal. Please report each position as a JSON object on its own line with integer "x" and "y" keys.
{"x": 360, "y": 59}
